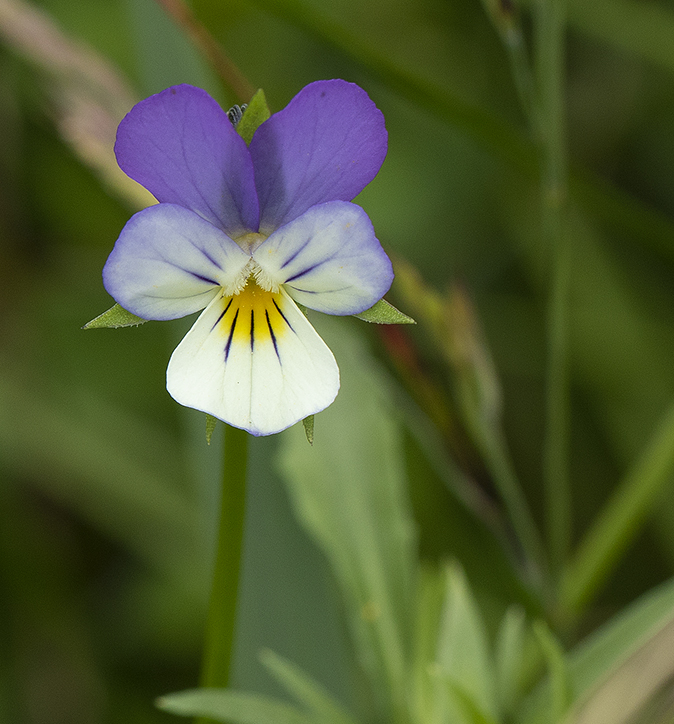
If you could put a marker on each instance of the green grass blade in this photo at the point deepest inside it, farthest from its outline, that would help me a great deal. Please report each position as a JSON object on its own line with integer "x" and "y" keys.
{"x": 224, "y": 705}
{"x": 621, "y": 519}
{"x": 307, "y": 692}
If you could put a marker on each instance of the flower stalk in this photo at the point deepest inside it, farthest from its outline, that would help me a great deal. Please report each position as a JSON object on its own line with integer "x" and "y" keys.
{"x": 222, "y": 612}
{"x": 550, "y": 60}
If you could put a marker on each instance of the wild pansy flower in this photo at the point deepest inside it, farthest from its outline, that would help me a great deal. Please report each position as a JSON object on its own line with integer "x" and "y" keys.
{"x": 247, "y": 233}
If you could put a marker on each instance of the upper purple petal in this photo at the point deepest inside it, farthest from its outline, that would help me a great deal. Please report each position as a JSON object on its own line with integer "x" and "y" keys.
{"x": 327, "y": 144}
{"x": 181, "y": 146}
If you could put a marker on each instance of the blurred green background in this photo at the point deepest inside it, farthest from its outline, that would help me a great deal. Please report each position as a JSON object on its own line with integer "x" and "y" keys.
{"x": 107, "y": 487}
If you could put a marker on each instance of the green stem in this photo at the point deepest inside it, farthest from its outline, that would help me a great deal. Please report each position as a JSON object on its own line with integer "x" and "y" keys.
{"x": 550, "y": 59}
{"x": 221, "y": 623}
{"x": 621, "y": 519}
{"x": 498, "y": 462}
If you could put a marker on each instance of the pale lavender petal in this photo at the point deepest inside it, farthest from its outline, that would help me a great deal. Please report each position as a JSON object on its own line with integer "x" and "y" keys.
{"x": 181, "y": 146}
{"x": 168, "y": 262}
{"x": 329, "y": 259}
{"x": 327, "y": 144}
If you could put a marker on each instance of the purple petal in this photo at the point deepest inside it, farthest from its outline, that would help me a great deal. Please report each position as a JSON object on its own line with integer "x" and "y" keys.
{"x": 329, "y": 259}
{"x": 327, "y": 144}
{"x": 168, "y": 262}
{"x": 181, "y": 146}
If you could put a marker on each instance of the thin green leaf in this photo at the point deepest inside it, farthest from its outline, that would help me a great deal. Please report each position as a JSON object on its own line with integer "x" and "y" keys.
{"x": 308, "y": 692}
{"x": 115, "y": 318}
{"x": 463, "y": 653}
{"x": 621, "y": 519}
{"x": 253, "y": 117}
{"x": 509, "y": 655}
{"x": 470, "y": 711}
{"x": 430, "y": 594}
{"x": 232, "y": 706}
{"x": 560, "y": 696}
{"x": 384, "y": 313}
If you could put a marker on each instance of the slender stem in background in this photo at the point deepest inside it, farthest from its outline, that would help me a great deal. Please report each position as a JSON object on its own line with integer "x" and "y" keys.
{"x": 221, "y": 623}
{"x": 550, "y": 62}
{"x": 494, "y": 449}
{"x": 505, "y": 17}
{"x": 211, "y": 49}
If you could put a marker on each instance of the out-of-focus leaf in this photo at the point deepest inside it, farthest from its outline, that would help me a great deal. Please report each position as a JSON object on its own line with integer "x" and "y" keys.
{"x": 384, "y": 313}
{"x": 253, "y": 117}
{"x": 509, "y": 655}
{"x": 118, "y": 473}
{"x": 349, "y": 492}
{"x": 594, "y": 661}
{"x": 618, "y": 699}
{"x": 426, "y": 700}
{"x": 463, "y": 655}
{"x": 307, "y": 692}
{"x": 232, "y": 706}
{"x": 115, "y": 318}
{"x": 471, "y": 712}
{"x": 622, "y": 517}
{"x": 560, "y": 689}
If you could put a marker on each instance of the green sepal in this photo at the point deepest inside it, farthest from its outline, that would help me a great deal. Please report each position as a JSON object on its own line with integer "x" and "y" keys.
{"x": 384, "y": 313}
{"x": 253, "y": 117}
{"x": 211, "y": 422}
{"x": 114, "y": 318}
{"x": 308, "y": 423}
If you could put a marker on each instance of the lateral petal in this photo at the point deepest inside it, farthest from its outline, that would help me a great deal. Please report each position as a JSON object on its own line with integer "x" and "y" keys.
{"x": 328, "y": 143}
{"x": 255, "y": 362}
{"x": 168, "y": 262}
{"x": 181, "y": 146}
{"x": 328, "y": 259}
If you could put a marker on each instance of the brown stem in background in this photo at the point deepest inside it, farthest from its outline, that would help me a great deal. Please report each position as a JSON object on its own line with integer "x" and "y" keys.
{"x": 210, "y": 47}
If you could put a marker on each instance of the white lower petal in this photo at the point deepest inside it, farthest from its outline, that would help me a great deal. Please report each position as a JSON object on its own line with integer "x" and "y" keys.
{"x": 254, "y": 361}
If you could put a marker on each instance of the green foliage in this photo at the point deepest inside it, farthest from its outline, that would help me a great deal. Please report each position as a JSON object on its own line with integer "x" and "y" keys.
{"x": 307, "y": 692}
{"x": 114, "y": 318}
{"x": 350, "y": 479}
{"x": 222, "y": 705}
{"x": 255, "y": 115}
{"x": 384, "y": 313}
{"x": 308, "y": 423}
{"x": 463, "y": 656}
{"x": 432, "y": 451}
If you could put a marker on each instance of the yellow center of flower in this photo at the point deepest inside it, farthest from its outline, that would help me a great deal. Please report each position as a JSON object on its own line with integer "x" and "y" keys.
{"x": 252, "y": 317}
